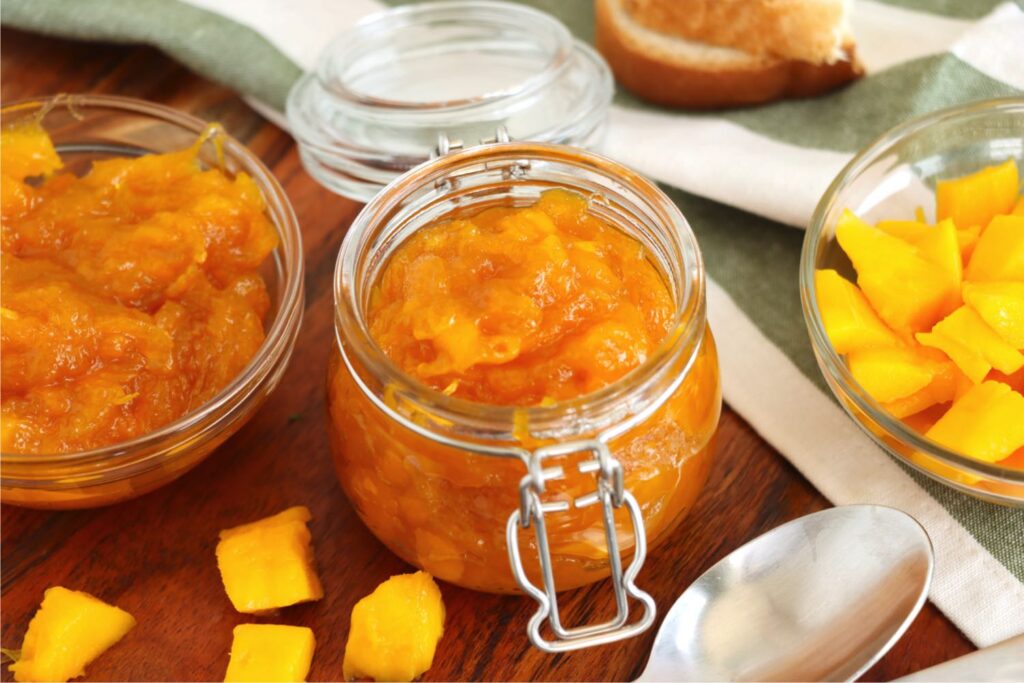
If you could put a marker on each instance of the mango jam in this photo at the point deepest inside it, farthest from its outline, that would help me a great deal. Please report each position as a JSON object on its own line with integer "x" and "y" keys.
{"x": 524, "y": 306}
{"x": 520, "y": 306}
{"x": 131, "y": 293}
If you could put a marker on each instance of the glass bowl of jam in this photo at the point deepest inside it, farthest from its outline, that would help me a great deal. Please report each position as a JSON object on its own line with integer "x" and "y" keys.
{"x": 152, "y": 293}
{"x": 524, "y": 392}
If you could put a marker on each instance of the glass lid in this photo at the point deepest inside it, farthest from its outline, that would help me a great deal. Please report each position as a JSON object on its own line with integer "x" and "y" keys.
{"x": 387, "y": 90}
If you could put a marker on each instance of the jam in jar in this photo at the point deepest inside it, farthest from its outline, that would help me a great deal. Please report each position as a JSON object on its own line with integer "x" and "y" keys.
{"x": 505, "y": 301}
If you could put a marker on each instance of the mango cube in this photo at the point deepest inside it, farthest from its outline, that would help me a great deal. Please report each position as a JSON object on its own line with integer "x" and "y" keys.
{"x": 999, "y": 254}
{"x": 968, "y": 239}
{"x": 907, "y": 291}
{"x": 986, "y": 423}
{"x": 268, "y": 652}
{"x": 395, "y": 630}
{"x": 1001, "y": 305}
{"x": 849, "y": 320}
{"x": 907, "y": 231}
{"x": 893, "y": 373}
{"x": 269, "y": 563}
{"x": 940, "y": 245}
{"x": 69, "y": 631}
{"x": 974, "y": 199}
{"x": 977, "y": 348}
{"x": 948, "y": 383}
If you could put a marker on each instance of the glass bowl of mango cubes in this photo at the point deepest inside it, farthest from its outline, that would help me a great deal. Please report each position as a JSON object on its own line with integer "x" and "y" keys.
{"x": 912, "y": 284}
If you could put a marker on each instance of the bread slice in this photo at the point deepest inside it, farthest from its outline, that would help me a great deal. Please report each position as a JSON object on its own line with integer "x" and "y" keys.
{"x": 808, "y": 30}
{"x": 680, "y": 72}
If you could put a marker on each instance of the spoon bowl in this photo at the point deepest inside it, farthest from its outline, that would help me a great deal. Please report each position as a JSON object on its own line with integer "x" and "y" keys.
{"x": 820, "y": 598}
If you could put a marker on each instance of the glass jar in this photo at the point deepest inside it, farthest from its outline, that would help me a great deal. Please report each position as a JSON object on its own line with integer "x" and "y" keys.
{"x": 461, "y": 488}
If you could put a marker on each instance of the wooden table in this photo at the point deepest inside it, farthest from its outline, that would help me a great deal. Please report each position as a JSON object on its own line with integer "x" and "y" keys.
{"x": 154, "y": 556}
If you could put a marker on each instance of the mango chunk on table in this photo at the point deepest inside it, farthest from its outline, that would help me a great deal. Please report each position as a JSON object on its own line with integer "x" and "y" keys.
{"x": 269, "y": 563}
{"x": 395, "y": 630}
{"x": 69, "y": 631}
{"x": 270, "y": 652}
{"x": 986, "y": 423}
{"x": 974, "y": 199}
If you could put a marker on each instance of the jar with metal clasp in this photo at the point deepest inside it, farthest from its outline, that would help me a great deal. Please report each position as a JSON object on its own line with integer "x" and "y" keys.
{"x": 537, "y": 498}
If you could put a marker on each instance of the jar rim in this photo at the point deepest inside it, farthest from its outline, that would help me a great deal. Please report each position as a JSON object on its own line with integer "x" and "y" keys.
{"x": 276, "y": 348}
{"x": 352, "y": 331}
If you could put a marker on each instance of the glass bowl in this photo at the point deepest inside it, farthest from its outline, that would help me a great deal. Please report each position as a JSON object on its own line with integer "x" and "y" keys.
{"x": 889, "y": 179}
{"x": 85, "y": 128}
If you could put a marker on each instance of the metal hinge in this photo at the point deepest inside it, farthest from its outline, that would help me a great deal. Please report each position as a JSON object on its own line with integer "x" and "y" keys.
{"x": 610, "y": 495}
{"x": 511, "y": 170}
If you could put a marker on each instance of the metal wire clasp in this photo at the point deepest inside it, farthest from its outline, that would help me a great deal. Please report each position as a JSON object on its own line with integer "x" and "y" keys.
{"x": 610, "y": 494}
{"x": 510, "y": 170}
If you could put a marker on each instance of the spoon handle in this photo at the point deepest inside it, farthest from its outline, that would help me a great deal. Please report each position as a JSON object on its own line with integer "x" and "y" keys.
{"x": 1000, "y": 662}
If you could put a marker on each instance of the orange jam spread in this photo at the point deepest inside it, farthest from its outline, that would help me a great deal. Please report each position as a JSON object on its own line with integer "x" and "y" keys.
{"x": 520, "y": 306}
{"x": 130, "y": 294}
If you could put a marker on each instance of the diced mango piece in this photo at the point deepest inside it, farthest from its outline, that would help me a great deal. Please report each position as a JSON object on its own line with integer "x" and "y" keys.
{"x": 945, "y": 386}
{"x": 395, "y": 630}
{"x": 1001, "y": 305}
{"x": 907, "y": 231}
{"x": 907, "y": 291}
{"x": 940, "y": 245}
{"x": 999, "y": 254}
{"x": 923, "y": 420}
{"x": 974, "y": 199}
{"x": 893, "y": 373}
{"x": 1015, "y": 380}
{"x": 968, "y": 239}
{"x": 849, "y": 320}
{"x": 269, "y": 652}
{"x": 69, "y": 631}
{"x": 269, "y": 563}
{"x": 967, "y": 328}
{"x": 970, "y": 361}
{"x": 987, "y": 423}
{"x": 1016, "y": 459}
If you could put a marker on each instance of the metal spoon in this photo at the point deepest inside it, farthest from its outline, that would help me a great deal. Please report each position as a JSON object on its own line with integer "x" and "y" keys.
{"x": 820, "y": 598}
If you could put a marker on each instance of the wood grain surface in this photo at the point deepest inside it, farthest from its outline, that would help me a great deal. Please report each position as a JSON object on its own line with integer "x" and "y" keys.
{"x": 155, "y": 556}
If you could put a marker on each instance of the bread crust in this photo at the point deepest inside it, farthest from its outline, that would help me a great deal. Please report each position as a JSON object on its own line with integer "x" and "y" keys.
{"x": 808, "y": 30}
{"x": 657, "y": 77}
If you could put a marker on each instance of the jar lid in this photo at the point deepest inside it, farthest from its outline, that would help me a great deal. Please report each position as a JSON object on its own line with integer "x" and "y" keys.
{"x": 387, "y": 90}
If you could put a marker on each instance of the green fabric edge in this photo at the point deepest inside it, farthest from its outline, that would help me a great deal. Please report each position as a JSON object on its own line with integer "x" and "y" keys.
{"x": 845, "y": 120}
{"x": 193, "y": 36}
{"x": 754, "y": 259}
